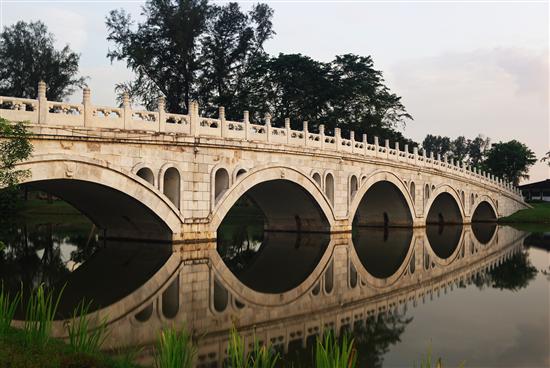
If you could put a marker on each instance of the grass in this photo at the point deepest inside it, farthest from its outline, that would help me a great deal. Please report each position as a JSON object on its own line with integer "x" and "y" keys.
{"x": 174, "y": 350}
{"x": 426, "y": 362}
{"x": 262, "y": 356}
{"x": 331, "y": 353}
{"x": 40, "y": 312}
{"x": 33, "y": 347}
{"x": 83, "y": 339}
{"x": 539, "y": 214}
{"x": 8, "y": 306}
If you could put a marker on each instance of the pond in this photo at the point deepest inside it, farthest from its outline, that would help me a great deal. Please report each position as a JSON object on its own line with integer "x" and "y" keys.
{"x": 476, "y": 294}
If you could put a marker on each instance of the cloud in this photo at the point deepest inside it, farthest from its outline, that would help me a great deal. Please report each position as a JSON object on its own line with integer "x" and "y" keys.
{"x": 68, "y": 27}
{"x": 499, "y": 92}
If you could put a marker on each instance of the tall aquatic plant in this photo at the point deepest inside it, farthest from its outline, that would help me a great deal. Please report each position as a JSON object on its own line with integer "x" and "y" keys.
{"x": 331, "y": 353}
{"x": 175, "y": 350}
{"x": 8, "y": 306}
{"x": 82, "y": 338}
{"x": 262, "y": 356}
{"x": 39, "y": 316}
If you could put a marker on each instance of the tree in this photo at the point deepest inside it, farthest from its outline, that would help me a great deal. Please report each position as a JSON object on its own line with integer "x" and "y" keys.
{"x": 28, "y": 55}
{"x": 460, "y": 148}
{"x": 188, "y": 49}
{"x": 14, "y": 147}
{"x": 437, "y": 144}
{"x": 546, "y": 158}
{"x": 510, "y": 161}
{"x": 477, "y": 149}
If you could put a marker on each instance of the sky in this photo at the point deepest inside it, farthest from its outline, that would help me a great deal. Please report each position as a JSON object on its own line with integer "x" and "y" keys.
{"x": 462, "y": 67}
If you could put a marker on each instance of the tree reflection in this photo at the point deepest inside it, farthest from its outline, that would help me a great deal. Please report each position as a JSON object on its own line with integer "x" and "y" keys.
{"x": 514, "y": 274}
{"x": 39, "y": 253}
{"x": 374, "y": 338}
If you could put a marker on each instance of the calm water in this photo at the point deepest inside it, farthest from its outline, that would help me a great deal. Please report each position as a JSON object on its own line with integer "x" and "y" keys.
{"x": 478, "y": 295}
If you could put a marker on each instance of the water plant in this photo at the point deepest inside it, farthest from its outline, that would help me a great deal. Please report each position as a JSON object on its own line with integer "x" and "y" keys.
{"x": 82, "y": 338}
{"x": 8, "y": 306}
{"x": 331, "y": 353}
{"x": 41, "y": 310}
{"x": 261, "y": 356}
{"x": 174, "y": 350}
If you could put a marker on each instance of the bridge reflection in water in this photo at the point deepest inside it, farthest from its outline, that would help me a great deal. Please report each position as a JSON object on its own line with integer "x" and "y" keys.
{"x": 283, "y": 288}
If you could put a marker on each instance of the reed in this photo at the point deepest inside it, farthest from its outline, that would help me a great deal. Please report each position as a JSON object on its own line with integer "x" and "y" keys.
{"x": 82, "y": 338}
{"x": 40, "y": 313}
{"x": 331, "y": 353}
{"x": 262, "y": 356}
{"x": 175, "y": 350}
{"x": 8, "y": 306}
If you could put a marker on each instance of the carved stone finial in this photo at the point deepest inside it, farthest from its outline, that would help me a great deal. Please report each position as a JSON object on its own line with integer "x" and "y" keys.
{"x": 41, "y": 89}
{"x": 125, "y": 99}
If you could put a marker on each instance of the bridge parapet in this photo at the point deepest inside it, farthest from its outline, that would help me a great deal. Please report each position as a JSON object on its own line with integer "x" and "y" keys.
{"x": 85, "y": 114}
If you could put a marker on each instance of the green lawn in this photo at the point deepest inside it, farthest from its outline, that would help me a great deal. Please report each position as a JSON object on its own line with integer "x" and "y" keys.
{"x": 539, "y": 214}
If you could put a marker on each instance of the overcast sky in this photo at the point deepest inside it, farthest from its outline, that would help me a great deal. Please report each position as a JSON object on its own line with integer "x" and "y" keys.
{"x": 462, "y": 67}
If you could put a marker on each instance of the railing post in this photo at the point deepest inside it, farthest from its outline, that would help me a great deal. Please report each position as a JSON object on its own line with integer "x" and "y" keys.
{"x": 322, "y": 135}
{"x": 221, "y": 118}
{"x": 268, "y": 127}
{"x": 387, "y": 146}
{"x": 376, "y": 146}
{"x": 127, "y": 110}
{"x": 306, "y": 133}
{"x": 287, "y": 129}
{"x": 338, "y": 138}
{"x": 352, "y": 140}
{"x": 87, "y": 103}
{"x": 42, "y": 103}
{"x": 162, "y": 114}
{"x": 246, "y": 121}
{"x": 365, "y": 144}
{"x": 194, "y": 117}
{"x": 415, "y": 154}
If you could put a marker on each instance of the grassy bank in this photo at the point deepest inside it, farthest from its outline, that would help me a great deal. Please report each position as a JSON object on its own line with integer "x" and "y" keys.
{"x": 539, "y": 214}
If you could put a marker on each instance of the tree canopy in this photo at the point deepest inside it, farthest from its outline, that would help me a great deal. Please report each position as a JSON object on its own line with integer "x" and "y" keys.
{"x": 510, "y": 160}
{"x": 192, "y": 49}
{"x": 28, "y": 55}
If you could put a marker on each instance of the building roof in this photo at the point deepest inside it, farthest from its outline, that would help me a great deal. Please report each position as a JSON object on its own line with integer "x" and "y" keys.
{"x": 545, "y": 184}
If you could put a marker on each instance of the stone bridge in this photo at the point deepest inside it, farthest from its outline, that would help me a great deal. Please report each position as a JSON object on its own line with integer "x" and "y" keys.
{"x": 163, "y": 176}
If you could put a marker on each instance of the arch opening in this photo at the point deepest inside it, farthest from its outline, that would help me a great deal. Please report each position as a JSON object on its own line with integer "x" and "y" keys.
{"x": 412, "y": 190}
{"x": 444, "y": 210}
{"x": 115, "y": 213}
{"x": 221, "y": 183}
{"x": 172, "y": 184}
{"x": 240, "y": 172}
{"x": 354, "y": 186}
{"x": 146, "y": 174}
{"x": 383, "y": 205}
{"x": 329, "y": 187}
{"x": 484, "y": 213}
{"x": 317, "y": 179}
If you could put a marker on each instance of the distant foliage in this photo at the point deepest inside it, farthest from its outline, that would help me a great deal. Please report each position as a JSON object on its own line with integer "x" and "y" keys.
{"x": 469, "y": 151}
{"x": 28, "y": 55}
{"x": 546, "y": 158}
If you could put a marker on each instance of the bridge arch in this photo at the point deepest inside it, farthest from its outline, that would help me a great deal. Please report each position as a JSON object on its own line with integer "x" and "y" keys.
{"x": 484, "y": 209}
{"x": 444, "y": 206}
{"x": 391, "y": 191}
{"x": 117, "y": 201}
{"x": 266, "y": 185}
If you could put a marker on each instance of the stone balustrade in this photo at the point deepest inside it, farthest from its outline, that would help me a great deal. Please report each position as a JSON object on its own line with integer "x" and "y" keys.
{"x": 85, "y": 114}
